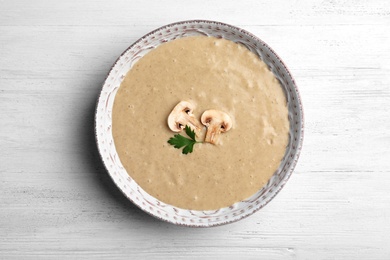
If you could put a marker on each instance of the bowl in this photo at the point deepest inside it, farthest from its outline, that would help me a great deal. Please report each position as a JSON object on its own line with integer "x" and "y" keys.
{"x": 151, "y": 205}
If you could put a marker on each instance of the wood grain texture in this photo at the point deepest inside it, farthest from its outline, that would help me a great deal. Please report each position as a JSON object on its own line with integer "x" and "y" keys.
{"x": 57, "y": 201}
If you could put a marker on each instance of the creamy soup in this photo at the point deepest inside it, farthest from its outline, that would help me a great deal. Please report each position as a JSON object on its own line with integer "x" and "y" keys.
{"x": 210, "y": 73}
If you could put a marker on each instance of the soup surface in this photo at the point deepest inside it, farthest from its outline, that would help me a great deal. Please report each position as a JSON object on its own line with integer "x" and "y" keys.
{"x": 211, "y": 73}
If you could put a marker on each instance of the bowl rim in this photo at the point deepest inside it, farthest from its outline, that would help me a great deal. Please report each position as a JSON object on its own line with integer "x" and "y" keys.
{"x": 298, "y": 149}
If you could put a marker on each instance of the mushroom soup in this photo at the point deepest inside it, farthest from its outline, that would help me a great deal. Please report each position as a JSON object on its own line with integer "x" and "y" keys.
{"x": 231, "y": 100}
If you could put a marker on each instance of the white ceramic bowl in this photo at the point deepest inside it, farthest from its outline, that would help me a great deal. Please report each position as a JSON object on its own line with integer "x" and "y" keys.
{"x": 131, "y": 189}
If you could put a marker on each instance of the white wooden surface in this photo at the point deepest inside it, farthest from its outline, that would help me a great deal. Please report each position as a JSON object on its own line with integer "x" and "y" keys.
{"x": 57, "y": 200}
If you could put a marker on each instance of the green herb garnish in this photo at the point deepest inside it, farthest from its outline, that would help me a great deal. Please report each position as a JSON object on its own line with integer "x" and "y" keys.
{"x": 179, "y": 141}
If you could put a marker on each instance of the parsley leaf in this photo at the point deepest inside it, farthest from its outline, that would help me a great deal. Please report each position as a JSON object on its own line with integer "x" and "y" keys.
{"x": 189, "y": 148}
{"x": 190, "y": 133}
{"x": 178, "y": 141}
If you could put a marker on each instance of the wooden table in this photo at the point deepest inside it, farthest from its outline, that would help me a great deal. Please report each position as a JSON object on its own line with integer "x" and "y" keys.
{"x": 57, "y": 200}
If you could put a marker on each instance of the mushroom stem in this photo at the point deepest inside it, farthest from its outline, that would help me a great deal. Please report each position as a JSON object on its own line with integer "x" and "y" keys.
{"x": 213, "y": 133}
{"x": 194, "y": 124}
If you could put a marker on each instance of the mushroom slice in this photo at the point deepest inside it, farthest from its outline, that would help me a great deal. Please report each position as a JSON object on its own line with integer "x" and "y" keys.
{"x": 182, "y": 115}
{"x": 217, "y": 122}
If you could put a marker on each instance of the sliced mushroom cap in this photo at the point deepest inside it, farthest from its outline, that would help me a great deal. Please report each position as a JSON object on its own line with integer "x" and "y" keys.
{"x": 217, "y": 122}
{"x": 182, "y": 115}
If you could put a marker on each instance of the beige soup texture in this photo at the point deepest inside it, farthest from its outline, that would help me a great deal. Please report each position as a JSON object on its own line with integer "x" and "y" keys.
{"x": 210, "y": 73}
